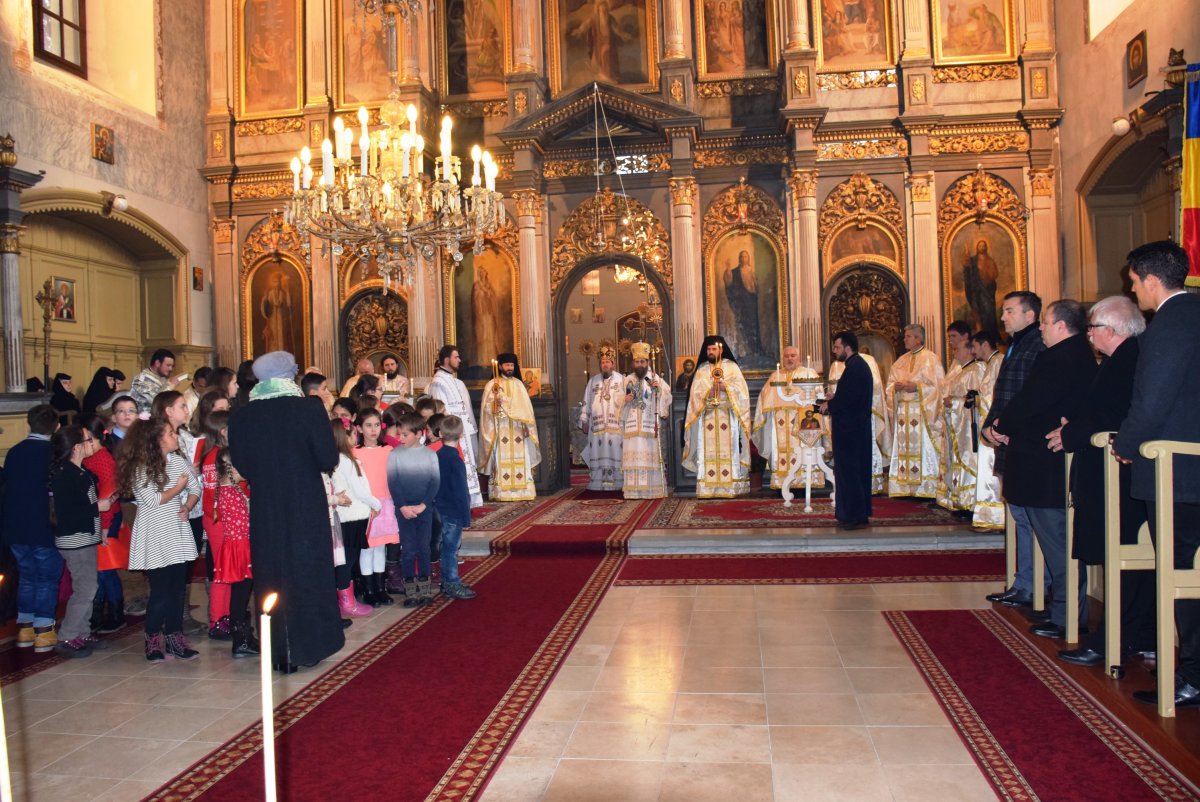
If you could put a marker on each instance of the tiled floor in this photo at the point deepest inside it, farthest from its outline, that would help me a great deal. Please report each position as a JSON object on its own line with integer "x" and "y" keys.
{"x": 688, "y": 693}
{"x": 744, "y": 693}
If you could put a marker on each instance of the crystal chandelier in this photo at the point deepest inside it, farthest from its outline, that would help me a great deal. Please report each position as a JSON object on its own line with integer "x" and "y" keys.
{"x": 381, "y": 205}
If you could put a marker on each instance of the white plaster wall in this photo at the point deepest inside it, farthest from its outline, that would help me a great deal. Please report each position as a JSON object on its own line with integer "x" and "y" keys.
{"x": 50, "y": 113}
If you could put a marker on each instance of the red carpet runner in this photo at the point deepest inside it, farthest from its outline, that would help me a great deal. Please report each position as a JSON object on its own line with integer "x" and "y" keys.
{"x": 966, "y": 565}
{"x": 386, "y": 723}
{"x": 1070, "y": 749}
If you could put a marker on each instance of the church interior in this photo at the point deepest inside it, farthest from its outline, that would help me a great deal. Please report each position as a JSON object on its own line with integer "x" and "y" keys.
{"x": 771, "y": 171}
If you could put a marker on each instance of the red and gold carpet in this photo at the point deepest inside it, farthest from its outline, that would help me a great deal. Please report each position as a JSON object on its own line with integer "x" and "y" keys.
{"x": 769, "y": 513}
{"x": 1058, "y": 743}
{"x": 834, "y": 568}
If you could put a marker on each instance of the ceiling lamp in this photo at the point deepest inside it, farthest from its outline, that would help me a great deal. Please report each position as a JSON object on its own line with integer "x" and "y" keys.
{"x": 381, "y": 205}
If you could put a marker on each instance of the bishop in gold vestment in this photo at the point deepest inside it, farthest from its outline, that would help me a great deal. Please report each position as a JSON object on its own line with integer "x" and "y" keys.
{"x": 777, "y": 420}
{"x": 717, "y": 426}
{"x": 509, "y": 447}
{"x": 914, "y": 397}
{"x": 643, "y": 417}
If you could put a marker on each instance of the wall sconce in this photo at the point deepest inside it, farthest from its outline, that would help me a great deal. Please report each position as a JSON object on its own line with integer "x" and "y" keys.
{"x": 110, "y": 202}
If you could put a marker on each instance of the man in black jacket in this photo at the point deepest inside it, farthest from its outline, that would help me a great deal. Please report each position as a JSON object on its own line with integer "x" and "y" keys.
{"x": 850, "y": 409}
{"x": 1165, "y": 388}
{"x": 1019, "y": 315}
{"x": 1115, "y": 326}
{"x": 1034, "y": 476}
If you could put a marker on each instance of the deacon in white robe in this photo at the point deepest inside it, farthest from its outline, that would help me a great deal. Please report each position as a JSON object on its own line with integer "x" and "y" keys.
{"x": 600, "y": 419}
{"x": 988, "y": 512}
{"x": 914, "y": 397}
{"x": 508, "y": 433}
{"x": 717, "y": 426}
{"x": 777, "y": 420}
{"x": 960, "y": 431}
{"x": 644, "y": 415}
{"x": 449, "y": 389}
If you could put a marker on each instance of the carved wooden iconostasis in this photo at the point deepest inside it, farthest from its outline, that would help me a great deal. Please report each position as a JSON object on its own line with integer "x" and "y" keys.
{"x": 746, "y": 276}
{"x": 275, "y": 292}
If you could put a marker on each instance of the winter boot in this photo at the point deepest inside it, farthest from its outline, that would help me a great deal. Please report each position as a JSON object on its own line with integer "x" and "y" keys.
{"x": 177, "y": 647}
{"x": 395, "y": 578}
{"x": 360, "y": 589}
{"x": 114, "y": 619}
{"x": 99, "y": 613}
{"x": 220, "y": 630}
{"x": 411, "y": 597}
{"x": 244, "y": 644}
{"x": 381, "y": 590}
{"x": 349, "y": 605}
{"x": 155, "y": 649}
{"x": 424, "y": 591}
{"x": 370, "y": 596}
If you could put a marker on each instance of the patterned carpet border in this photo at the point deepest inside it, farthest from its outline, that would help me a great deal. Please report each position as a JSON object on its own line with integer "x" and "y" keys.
{"x": 210, "y": 770}
{"x": 1006, "y": 777}
{"x": 679, "y": 512}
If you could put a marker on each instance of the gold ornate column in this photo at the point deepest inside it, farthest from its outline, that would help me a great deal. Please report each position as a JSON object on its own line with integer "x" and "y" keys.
{"x": 226, "y": 284}
{"x": 424, "y": 320}
{"x": 409, "y": 32}
{"x": 797, "y": 26}
{"x": 1045, "y": 274}
{"x": 686, "y": 264}
{"x": 534, "y": 277}
{"x": 924, "y": 274}
{"x": 804, "y": 266}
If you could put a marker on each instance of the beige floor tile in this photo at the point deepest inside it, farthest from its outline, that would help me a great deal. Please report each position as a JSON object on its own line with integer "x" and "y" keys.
{"x": 174, "y": 762}
{"x": 60, "y": 788}
{"x": 813, "y": 708}
{"x": 720, "y": 708}
{"x": 901, "y": 709}
{"x": 128, "y": 791}
{"x": 823, "y": 745}
{"x": 560, "y": 706}
{"x": 601, "y": 740}
{"x": 519, "y": 779}
{"x": 576, "y": 678}
{"x": 919, "y": 745}
{"x": 704, "y": 743}
{"x": 149, "y": 690}
{"x": 224, "y": 693}
{"x": 604, "y": 781}
{"x": 632, "y": 708}
{"x": 588, "y": 654}
{"x": 715, "y": 782}
{"x": 806, "y": 680}
{"x": 115, "y": 758}
{"x": 229, "y": 724}
{"x": 798, "y": 635}
{"x": 93, "y": 718}
{"x": 543, "y": 739}
{"x": 722, "y": 636}
{"x": 75, "y": 688}
{"x": 730, "y": 618}
{"x": 30, "y": 752}
{"x": 118, "y": 664}
{"x": 21, "y": 713}
{"x": 705, "y": 656}
{"x": 788, "y": 656}
{"x": 830, "y": 783}
{"x": 666, "y": 652}
{"x": 937, "y": 783}
{"x": 169, "y": 722}
{"x": 901, "y": 679}
{"x": 878, "y": 656}
{"x": 773, "y": 617}
{"x": 727, "y": 679}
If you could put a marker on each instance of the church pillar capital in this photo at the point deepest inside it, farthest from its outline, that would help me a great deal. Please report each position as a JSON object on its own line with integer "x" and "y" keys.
{"x": 802, "y": 184}
{"x": 684, "y": 191}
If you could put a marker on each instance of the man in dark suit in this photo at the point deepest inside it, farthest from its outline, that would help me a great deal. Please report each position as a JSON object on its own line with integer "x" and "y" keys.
{"x": 1165, "y": 388}
{"x": 1034, "y": 476}
{"x": 1115, "y": 326}
{"x": 850, "y": 409}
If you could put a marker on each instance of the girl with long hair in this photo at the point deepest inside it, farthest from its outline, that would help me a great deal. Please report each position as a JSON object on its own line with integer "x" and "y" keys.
{"x": 77, "y": 533}
{"x": 354, "y": 517}
{"x": 372, "y": 455}
{"x": 108, "y": 607}
{"x": 231, "y": 562}
{"x": 150, "y": 469}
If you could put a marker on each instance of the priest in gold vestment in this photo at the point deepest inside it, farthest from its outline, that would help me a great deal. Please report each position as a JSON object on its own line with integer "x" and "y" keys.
{"x": 508, "y": 434}
{"x": 717, "y": 425}
{"x": 881, "y": 427}
{"x": 914, "y": 397}
{"x": 988, "y": 510}
{"x": 777, "y": 420}
{"x": 644, "y": 415}
{"x": 956, "y": 491}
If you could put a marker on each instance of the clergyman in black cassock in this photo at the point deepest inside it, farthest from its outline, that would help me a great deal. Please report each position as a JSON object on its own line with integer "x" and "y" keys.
{"x": 850, "y": 413}
{"x": 281, "y": 443}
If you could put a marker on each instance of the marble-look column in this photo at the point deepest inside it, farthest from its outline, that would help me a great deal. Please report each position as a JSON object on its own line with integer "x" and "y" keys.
{"x": 10, "y": 289}
{"x": 316, "y": 27}
{"x": 797, "y": 26}
{"x": 525, "y": 17}
{"x": 225, "y": 292}
{"x": 1039, "y": 35}
{"x": 409, "y": 33}
{"x": 686, "y": 264}
{"x": 673, "y": 29}
{"x": 424, "y": 318}
{"x": 915, "y": 36}
{"x": 1045, "y": 275}
{"x": 533, "y": 278}
{"x": 924, "y": 275}
{"x": 804, "y": 267}
{"x": 325, "y": 317}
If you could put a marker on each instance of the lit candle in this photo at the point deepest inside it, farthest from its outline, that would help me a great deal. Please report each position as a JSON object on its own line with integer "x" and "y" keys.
{"x": 295, "y": 174}
{"x": 5, "y": 780}
{"x": 489, "y": 171}
{"x": 447, "y": 170}
{"x": 363, "y": 117}
{"x": 338, "y": 127}
{"x": 405, "y": 148}
{"x": 412, "y": 119}
{"x": 268, "y": 704}
{"x": 420, "y": 153}
{"x": 495, "y": 370}
{"x": 364, "y": 147}
{"x": 476, "y": 155}
{"x": 327, "y": 163}
{"x": 308, "y": 174}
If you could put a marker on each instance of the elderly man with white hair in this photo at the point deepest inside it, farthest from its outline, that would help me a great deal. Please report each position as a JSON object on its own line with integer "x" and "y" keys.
{"x": 1114, "y": 325}
{"x": 914, "y": 397}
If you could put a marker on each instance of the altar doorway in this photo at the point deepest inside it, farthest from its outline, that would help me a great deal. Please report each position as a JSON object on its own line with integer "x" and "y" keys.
{"x": 375, "y": 323}
{"x": 873, "y": 303}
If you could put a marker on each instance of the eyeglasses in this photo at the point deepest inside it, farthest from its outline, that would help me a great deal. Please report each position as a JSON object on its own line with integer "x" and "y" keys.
{"x": 1098, "y": 326}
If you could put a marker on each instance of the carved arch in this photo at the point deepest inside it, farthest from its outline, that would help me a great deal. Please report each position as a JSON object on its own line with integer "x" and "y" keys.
{"x": 861, "y": 204}
{"x": 594, "y": 229}
{"x": 981, "y": 195}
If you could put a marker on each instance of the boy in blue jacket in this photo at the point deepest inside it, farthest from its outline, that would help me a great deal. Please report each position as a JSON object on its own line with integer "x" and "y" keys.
{"x": 453, "y": 505}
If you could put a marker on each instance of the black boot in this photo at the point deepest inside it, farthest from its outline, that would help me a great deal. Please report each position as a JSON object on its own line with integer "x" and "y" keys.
{"x": 113, "y": 617}
{"x": 384, "y": 597}
{"x": 361, "y": 591}
{"x": 244, "y": 644}
{"x": 371, "y": 591}
{"x": 99, "y": 613}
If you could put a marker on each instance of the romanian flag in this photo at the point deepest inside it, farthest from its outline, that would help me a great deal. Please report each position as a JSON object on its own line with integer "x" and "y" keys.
{"x": 1190, "y": 189}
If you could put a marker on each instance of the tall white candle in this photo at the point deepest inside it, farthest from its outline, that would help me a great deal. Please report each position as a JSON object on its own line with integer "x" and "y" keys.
{"x": 327, "y": 162}
{"x": 295, "y": 174}
{"x": 476, "y": 155}
{"x": 420, "y": 153}
{"x": 364, "y": 147}
{"x": 338, "y": 127}
{"x": 363, "y": 116}
{"x": 268, "y": 702}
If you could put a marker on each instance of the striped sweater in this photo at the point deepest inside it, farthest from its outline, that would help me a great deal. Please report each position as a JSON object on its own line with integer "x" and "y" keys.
{"x": 413, "y": 478}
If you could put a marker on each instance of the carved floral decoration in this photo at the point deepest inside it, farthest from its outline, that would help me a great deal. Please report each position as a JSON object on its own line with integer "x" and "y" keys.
{"x": 272, "y": 237}
{"x": 859, "y": 198}
{"x": 742, "y": 205}
{"x": 980, "y": 195}
{"x": 594, "y": 228}
{"x": 377, "y": 322}
{"x": 868, "y": 300}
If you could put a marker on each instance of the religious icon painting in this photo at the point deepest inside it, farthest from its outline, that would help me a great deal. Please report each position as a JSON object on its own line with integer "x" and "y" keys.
{"x": 64, "y": 299}
{"x": 611, "y": 41}
{"x": 854, "y": 35}
{"x": 981, "y": 263}
{"x": 1135, "y": 60}
{"x": 871, "y": 243}
{"x": 275, "y": 309}
{"x": 472, "y": 34}
{"x": 361, "y": 65}
{"x": 973, "y": 31}
{"x": 269, "y": 51}
{"x": 735, "y": 38}
{"x": 483, "y": 316}
{"x": 745, "y": 303}
{"x": 103, "y": 144}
